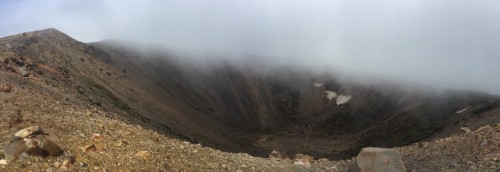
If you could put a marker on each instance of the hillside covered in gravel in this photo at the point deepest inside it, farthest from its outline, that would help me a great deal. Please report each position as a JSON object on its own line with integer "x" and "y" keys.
{"x": 110, "y": 109}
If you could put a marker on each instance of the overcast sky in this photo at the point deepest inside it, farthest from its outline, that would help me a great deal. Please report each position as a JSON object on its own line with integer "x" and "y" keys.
{"x": 453, "y": 43}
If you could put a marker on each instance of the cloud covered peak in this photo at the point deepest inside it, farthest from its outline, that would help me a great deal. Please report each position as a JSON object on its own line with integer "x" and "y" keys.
{"x": 441, "y": 43}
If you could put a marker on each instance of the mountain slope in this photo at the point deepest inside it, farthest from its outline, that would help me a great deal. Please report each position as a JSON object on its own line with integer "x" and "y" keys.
{"x": 282, "y": 109}
{"x": 85, "y": 88}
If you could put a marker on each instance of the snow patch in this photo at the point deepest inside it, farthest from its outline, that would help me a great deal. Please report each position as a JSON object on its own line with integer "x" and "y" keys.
{"x": 463, "y": 110}
{"x": 330, "y": 94}
{"x": 341, "y": 99}
{"x": 317, "y": 84}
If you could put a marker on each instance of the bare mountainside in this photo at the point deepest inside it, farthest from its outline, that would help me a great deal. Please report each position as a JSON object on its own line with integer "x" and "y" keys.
{"x": 291, "y": 111}
{"x": 77, "y": 89}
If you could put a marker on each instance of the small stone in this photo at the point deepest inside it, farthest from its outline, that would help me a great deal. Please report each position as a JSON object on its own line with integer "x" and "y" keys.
{"x": 301, "y": 159}
{"x": 70, "y": 160}
{"x": 21, "y": 71}
{"x": 23, "y": 133}
{"x": 323, "y": 160}
{"x": 143, "y": 154}
{"x": 299, "y": 163}
{"x": 123, "y": 143}
{"x": 420, "y": 145}
{"x": 484, "y": 142}
{"x": 276, "y": 154}
{"x": 212, "y": 165}
{"x": 90, "y": 148}
{"x": 3, "y": 162}
{"x": 465, "y": 129}
{"x": 473, "y": 168}
{"x": 96, "y": 137}
{"x": 5, "y": 88}
{"x": 482, "y": 128}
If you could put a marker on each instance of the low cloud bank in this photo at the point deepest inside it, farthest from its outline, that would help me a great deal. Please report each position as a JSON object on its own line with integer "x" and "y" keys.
{"x": 450, "y": 43}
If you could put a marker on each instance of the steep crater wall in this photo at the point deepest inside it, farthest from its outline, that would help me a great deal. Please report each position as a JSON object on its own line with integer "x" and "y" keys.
{"x": 292, "y": 111}
{"x": 240, "y": 108}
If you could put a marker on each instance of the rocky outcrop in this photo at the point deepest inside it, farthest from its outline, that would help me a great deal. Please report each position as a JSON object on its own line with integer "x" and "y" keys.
{"x": 373, "y": 159}
{"x": 476, "y": 150}
{"x": 32, "y": 141}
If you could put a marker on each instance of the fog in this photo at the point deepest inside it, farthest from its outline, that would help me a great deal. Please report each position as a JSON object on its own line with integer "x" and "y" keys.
{"x": 447, "y": 43}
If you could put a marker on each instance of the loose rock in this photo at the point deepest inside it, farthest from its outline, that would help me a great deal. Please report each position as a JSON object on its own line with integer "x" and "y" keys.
{"x": 482, "y": 128}
{"x": 484, "y": 142}
{"x": 276, "y": 154}
{"x": 27, "y": 132}
{"x": 5, "y": 88}
{"x": 122, "y": 143}
{"x": 68, "y": 162}
{"x": 14, "y": 149}
{"x": 465, "y": 129}
{"x": 377, "y": 160}
{"x": 96, "y": 137}
{"x": 3, "y": 162}
{"x": 143, "y": 154}
{"x": 21, "y": 71}
{"x": 33, "y": 141}
{"x": 301, "y": 159}
{"x": 57, "y": 164}
{"x": 90, "y": 148}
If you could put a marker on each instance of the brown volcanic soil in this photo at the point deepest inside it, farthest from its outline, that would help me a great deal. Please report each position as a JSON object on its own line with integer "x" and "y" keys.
{"x": 281, "y": 109}
{"x": 74, "y": 124}
{"x": 153, "y": 105}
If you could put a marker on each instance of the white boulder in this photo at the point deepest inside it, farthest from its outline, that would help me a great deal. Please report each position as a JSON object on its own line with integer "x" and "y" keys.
{"x": 373, "y": 159}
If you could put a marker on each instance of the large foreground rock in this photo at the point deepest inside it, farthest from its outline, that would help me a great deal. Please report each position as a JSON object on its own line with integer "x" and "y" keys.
{"x": 33, "y": 141}
{"x": 373, "y": 159}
